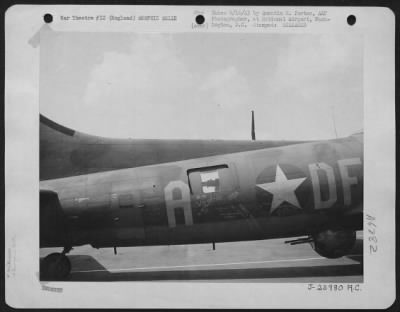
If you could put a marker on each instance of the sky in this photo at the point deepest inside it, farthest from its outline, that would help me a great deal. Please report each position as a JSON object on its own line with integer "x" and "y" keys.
{"x": 203, "y": 85}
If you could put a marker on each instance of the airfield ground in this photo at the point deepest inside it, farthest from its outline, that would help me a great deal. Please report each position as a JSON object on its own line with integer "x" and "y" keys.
{"x": 253, "y": 261}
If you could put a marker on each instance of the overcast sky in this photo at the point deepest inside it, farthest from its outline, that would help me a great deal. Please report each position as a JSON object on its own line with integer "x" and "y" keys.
{"x": 203, "y": 85}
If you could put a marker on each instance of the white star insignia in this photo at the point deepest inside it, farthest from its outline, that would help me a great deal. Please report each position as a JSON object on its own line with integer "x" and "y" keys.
{"x": 282, "y": 189}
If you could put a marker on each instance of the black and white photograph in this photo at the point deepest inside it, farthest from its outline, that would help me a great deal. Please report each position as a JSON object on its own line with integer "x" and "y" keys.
{"x": 224, "y": 154}
{"x": 188, "y": 164}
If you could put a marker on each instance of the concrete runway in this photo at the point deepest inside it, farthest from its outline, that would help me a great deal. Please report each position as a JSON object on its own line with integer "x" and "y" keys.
{"x": 253, "y": 261}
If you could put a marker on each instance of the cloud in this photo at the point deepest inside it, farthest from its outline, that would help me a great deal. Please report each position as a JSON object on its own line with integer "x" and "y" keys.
{"x": 315, "y": 76}
{"x": 228, "y": 87}
{"x": 145, "y": 83}
{"x": 165, "y": 86}
{"x": 151, "y": 93}
{"x": 310, "y": 58}
{"x": 150, "y": 64}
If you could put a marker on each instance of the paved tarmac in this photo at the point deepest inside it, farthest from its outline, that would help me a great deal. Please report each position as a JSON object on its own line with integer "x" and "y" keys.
{"x": 253, "y": 261}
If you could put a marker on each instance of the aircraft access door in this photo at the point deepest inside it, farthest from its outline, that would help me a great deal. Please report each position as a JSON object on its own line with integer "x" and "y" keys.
{"x": 214, "y": 190}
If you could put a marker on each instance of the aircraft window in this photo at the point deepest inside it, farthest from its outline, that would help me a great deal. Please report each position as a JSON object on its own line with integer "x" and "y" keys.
{"x": 205, "y": 180}
{"x": 209, "y": 181}
{"x": 126, "y": 201}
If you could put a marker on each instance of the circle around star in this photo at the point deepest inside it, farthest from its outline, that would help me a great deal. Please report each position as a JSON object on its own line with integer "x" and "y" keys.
{"x": 283, "y": 190}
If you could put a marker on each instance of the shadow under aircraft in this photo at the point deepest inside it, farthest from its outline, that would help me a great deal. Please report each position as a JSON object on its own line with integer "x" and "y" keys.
{"x": 130, "y": 192}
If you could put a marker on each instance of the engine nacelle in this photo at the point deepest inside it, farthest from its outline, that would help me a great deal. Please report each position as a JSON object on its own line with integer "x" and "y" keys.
{"x": 333, "y": 243}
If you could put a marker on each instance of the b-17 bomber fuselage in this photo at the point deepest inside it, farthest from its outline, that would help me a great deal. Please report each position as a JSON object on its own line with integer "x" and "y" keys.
{"x": 301, "y": 189}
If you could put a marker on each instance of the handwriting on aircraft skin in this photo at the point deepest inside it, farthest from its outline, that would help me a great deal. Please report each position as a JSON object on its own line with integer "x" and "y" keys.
{"x": 282, "y": 189}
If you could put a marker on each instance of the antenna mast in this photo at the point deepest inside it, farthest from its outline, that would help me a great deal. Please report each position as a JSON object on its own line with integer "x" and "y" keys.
{"x": 334, "y": 123}
{"x": 253, "y": 130}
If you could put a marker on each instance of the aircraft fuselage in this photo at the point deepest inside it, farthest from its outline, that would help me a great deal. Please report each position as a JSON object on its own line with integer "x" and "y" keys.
{"x": 277, "y": 192}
